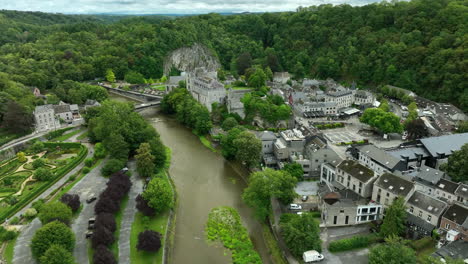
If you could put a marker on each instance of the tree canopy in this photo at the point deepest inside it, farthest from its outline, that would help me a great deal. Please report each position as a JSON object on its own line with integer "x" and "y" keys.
{"x": 394, "y": 223}
{"x": 53, "y": 233}
{"x": 457, "y": 166}
{"x": 386, "y": 122}
{"x": 159, "y": 195}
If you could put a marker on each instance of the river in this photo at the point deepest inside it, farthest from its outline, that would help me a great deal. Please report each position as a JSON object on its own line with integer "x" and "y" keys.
{"x": 203, "y": 180}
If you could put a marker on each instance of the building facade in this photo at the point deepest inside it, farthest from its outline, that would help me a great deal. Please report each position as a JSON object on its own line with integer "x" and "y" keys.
{"x": 205, "y": 87}
{"x": 45, "y": 119}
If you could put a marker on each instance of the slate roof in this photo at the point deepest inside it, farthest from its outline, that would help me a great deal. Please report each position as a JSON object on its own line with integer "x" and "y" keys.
{"x": 429, "y": 174}
{"x": 356, "y": 170}
{"x": 427, "y": 203}
{"x": 410, "y": 152}
{"x": 61, "y": 108}
{"x": 456, "y": 213}
{"x": 446, "y": 185}
{"x": 379, "y": 155}
{"x": 462, "y": 191}
{"x": 444, "y": 144}
{"x": 412, "y": 219}
{"x": 266, "y": 136}
{"x": 394, "y": 184}
{"x": 43, "y": 108}
{"x": 454, "y": 250}
{"x": 340, "y": 93}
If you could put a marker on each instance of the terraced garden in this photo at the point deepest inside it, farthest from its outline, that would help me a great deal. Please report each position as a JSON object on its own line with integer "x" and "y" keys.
{"x": 20, "y": 179}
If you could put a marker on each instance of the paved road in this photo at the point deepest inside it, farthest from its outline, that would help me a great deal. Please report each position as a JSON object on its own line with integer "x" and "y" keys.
{"x": 22, "y": 254}
{"x": 92, "y": 183}
{"x": 359, "y": 256}
{"x": 129, "y": 215}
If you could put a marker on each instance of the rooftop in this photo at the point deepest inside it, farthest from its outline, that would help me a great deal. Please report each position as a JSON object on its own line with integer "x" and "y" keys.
{"x": 43, "y": 108}
{"x": 340, "y": 93}
{"x": 456, "y": 213}
{"x": 427, "y": 203}
{"x": 266, "y": 136}
{"x": 379, "y": 155}
{"x": 444, "y": 144}
{"x": 292, "y": 134}
{"x": 456, "y": 249}
{"x": 356, "y": 170}
{"x": 429, "y": 174}
{"x": 394, "y": 184}
{"x": 446, "y": 185}
{"x": 462, "y": 190}
{"x": 411, "y": 152}
{"x": 61, "y": 108}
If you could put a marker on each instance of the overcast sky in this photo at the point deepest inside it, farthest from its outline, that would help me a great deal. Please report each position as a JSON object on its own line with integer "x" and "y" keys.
{"x": 165, "y": 6}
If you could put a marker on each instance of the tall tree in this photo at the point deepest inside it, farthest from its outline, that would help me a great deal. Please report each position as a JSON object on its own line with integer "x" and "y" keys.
{"x": 458, "y": 164}
{"x": 394, "y": 251}
{"x": 56, "y": 254}
{"x": 145, "y": 160}
{"x": 394, "y": 223}
{"x": 301, "y": 233}
{"x": 243, "y": 62}
{"x": 16, "y": 119}
{"x": 249, "y": 148}
{"x": 53, "y": 233}
{"x": 159, "y": 195}
{"x": 110, "y": 76}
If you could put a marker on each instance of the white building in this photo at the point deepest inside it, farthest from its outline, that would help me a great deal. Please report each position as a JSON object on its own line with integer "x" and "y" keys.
{"x": 205, "y": 87}
{"x": 344, "y": 98}
{"x": 44, "y": 116}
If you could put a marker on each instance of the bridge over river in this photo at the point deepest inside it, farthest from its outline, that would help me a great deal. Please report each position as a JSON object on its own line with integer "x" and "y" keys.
{"x": 146, "y": 100}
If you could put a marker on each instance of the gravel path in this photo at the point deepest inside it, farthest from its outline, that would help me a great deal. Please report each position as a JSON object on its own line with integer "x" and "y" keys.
{"x": 129, "y": 215}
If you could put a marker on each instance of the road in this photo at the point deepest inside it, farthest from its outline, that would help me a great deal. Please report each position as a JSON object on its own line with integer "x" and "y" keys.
{"x": 129, "y": 215}
{"x": 22, "y": 254}
{"x": 359, "y": 256}
{"x": 92, "y": 183}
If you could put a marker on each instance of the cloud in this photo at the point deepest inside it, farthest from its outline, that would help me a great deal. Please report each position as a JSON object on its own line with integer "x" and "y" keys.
{"x": 165, "y": 6}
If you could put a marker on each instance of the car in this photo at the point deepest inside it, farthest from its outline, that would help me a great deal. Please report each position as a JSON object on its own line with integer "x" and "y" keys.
{"x": 312, "y": 256}
{"x": 295, "y": 207}
{"x": 92, "y": 221}
{"x": 91, "y": 226}
{"x": 91, "y": 198}
{"x": 88, "y": 234}
{"x": 304, "y": 198}
{"x": 124, "y": 169}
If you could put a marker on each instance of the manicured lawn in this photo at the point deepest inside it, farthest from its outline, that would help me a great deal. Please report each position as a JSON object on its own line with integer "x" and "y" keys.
{"x": 157, "y": 223}
{"x": 9, "y": 251}
{"x": 159, "y": 87}
{"x": 83, "y": 136}
{"x": 67, "y": 136}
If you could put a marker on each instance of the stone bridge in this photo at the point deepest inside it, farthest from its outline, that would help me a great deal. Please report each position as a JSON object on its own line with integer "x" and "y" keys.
{"x": 140, "y": 107}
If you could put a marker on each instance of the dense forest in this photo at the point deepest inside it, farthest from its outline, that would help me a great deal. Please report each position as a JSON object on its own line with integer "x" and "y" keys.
{"x": 420, "y": 45}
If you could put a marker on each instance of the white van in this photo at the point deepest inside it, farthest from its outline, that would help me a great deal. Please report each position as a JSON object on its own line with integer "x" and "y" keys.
{"x": 312, "y": 256}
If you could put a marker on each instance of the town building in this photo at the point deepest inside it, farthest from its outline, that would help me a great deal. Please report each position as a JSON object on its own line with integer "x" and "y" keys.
{"x": 362, "y": 97}
{"x": 426, "y": 178}
{"x": 427, "y": 208}
{"x": 356, "y": 177}
{"x": 281, "y": 77}
{"x": 328, "y": 173}
{"x": 445, "y": 190}
{"x": 453, "y": 250}
{"x": 455, "y": 222}
{"x": 205, "y": 87}
{"x": 315, "y": 109}
{"x": 233, "y": 101}
{"x": 440, "y": 148}
{"x": 342, "y": 98}
{"x": 378, "y": 160}
{"x": 91, "y": 103}
{"x": 290, "y": 141}
{"x": 389, "y": 187}
{"x": 462, "y": 194}
{"x": 63, "y": 112}
{"x": 44, "y": 116}
{"x": 268, "y": 139}
{"x": 344, "y": 207}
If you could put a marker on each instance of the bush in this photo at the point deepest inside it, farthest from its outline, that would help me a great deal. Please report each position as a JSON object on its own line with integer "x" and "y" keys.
{"x": 102, "y": 236}
{"x": 107, "y": 221}
{"x": 55, "y": 211}
{"x": 38, "y": 204}
{"x": 143, "y": 207}
{"x": 89, "y": 162}
{"x": 7, "y": 235}
{"x": 352, "y": 243}
{"x": 72, "y": 200}
{"x": 38, "y": 163}
{"x": 86, "y": 170}
{"x": 43, "y": 174}
{"x": 422, "y": 243}
{"x": 53, "y": 233}
{"x": 149, "y": 240}
{"x": 30, "y": 213}
{"x": 37, "y": 147}
{"x": 56, "y": 254}
{"x": 106, "y": 205}
{"x": 112, "y": 166}
{"x": 99, "y": 151}
{"x": 14, "y": 221}
{"x": 102, "y": 255}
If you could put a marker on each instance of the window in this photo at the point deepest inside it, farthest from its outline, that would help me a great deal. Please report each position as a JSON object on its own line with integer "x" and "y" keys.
{"x": 364, "y": 218}
{"x": 372, "y": 210}
{"x": 379, "y": 191}
{"x": 420, "y": 213}
{"x": 360, "y": 184}
{"x": 354, "y": 187}
{"x": 447, "y": 226}
{"x": 364, "y": 210}
{"x": 335, "y": 218}
{"x": 429, "y": 218}
{"x": 386, "y": 201}
{"x": 346, "y": 220}
{"x": 388, "y": 194}
{"x": 411, "y": 209}
{"x": 342, "y": 211}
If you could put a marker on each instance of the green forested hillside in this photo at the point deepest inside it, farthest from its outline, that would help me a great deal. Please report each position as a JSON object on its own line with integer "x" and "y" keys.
{"x": 420, "y": 45}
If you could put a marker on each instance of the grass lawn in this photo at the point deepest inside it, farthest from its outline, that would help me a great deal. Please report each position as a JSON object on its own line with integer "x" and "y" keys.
{"x": 118, "y": 220}
{"x": 83, "y": 136}
{"x": 9, "y": 251}
{"x": 206, "y": 142}
{"x": 157, "y": 223}
{"x": 241, "y": 88}
{"x": 67, "y": 136}
{"x": 159, "y": 87}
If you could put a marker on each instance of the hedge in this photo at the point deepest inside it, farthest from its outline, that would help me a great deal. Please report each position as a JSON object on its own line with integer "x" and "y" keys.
{"x": 57, "y": 133}
{"x": 422, "y": 243}
{"x": 353, "y": 243}
{"x": 59, "y": 174}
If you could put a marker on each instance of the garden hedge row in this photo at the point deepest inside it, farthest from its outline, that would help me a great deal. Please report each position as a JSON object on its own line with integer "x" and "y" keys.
{"x": 59, "y": 174}
{"x": 353, "y": 243}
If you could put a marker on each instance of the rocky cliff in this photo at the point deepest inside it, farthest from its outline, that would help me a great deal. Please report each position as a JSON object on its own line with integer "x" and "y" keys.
{"x": 188, "y": 58}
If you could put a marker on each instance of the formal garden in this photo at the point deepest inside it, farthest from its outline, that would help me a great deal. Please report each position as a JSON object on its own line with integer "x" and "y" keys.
{"x": 31, "y": 172}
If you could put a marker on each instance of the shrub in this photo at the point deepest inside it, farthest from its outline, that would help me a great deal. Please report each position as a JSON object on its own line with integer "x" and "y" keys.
{"x": 21, "y": 157}
{"x": 86, "y": 170}
{"x": 72, "y": 200}
{"x": 102, "y": 255}
{"x": 55, "y": 211}
{"x": 422, "y": 243}
{"x": 149, "y": 240}
{"x": 56, "y": 254}
{"x": 106, "y": 205}
{"x": 37, "y": 147}
{"x": 7, "y": 235}
{"x": 43, "y": 174}
{"x": 38, "y": 204}
{"x": 352, "y": 243}
{"x": 30, "y": 213}
{"x": 99, "y": 151}
{"x": 102, "y": 236}
{"x": 89, "y": 162}
{"x": 143, "y": 207}
{"x": 107, "y": 221}
{"x": 38, "y": 163}
{"x": 53, "y": 233}
{"x": 112, "y": 166}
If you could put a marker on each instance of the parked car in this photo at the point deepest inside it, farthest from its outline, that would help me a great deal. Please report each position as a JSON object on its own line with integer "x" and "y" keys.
{"x": 91, "y": 221}
{"x": 304, "y": 198}
{"x": 91, "y": 198}
{"x": 91, "y": 226}
{"x": 88, "y": 234}
{"x": 295, "y": 207}
{"x": 312, "y": 256}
